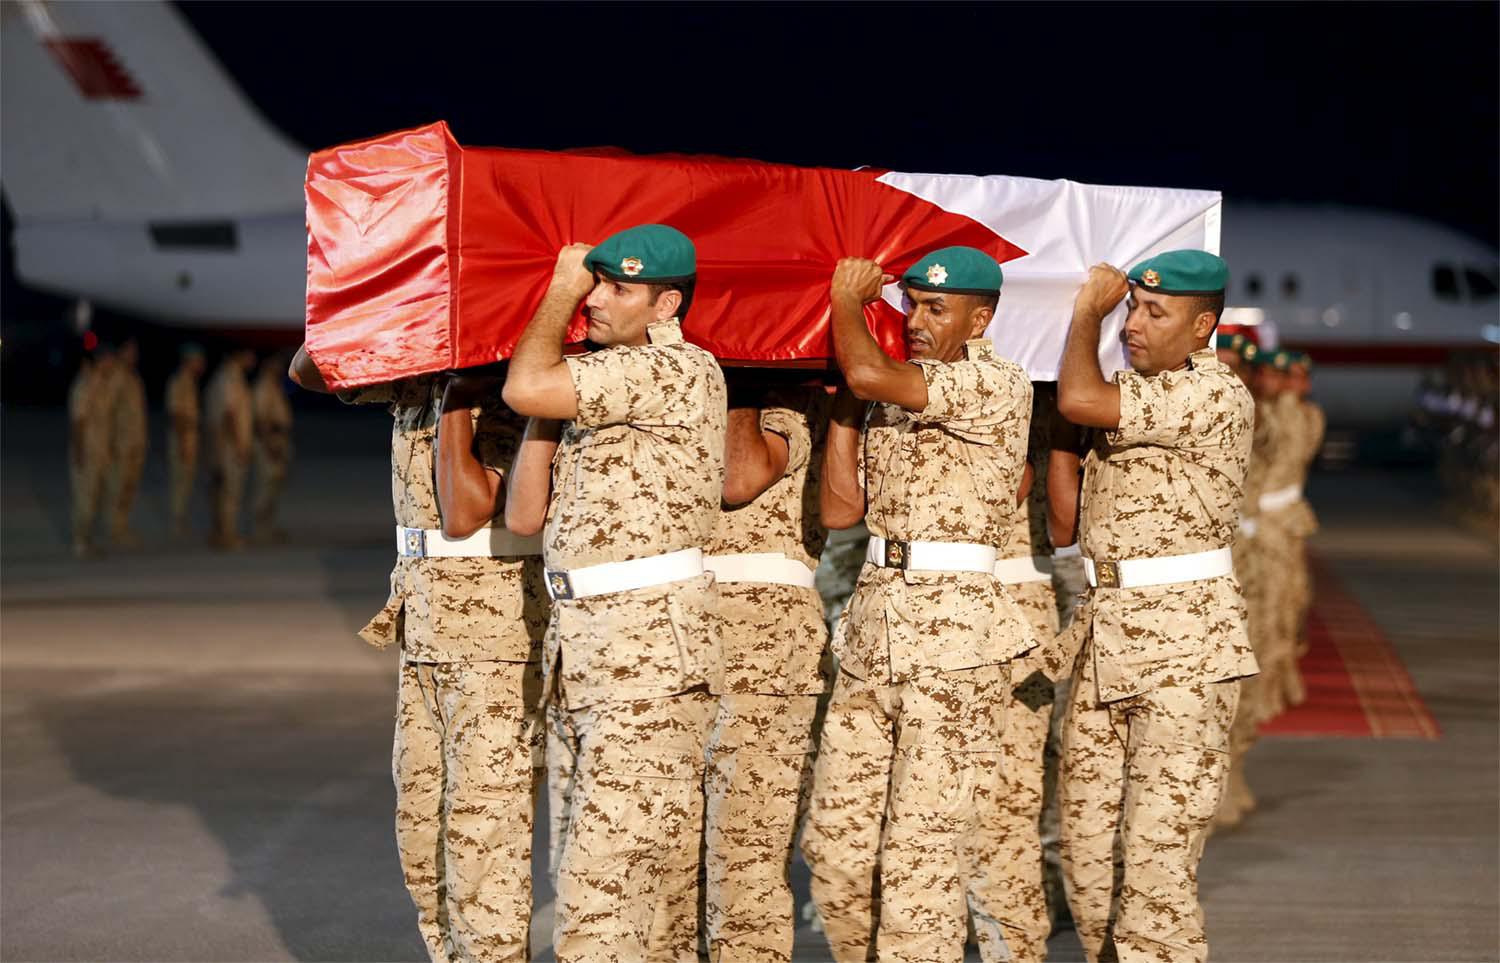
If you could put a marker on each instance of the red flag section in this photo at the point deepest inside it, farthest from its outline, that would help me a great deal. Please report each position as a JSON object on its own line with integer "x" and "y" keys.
{"x": 424, "y": 255}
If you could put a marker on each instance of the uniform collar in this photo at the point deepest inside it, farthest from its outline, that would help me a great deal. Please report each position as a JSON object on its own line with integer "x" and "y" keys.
{"x": 979, "y": 349}
{"x": 1204, "y": 357}
{"x": 665, "y": 332}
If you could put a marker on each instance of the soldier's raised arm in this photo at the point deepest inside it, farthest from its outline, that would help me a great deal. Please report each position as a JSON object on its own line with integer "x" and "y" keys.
{"x": 530, "y": 485}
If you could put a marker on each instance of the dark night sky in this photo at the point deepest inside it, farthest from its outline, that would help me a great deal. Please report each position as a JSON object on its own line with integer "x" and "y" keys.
{"x": 1392, "y": 105}
{"x": 1389, "y": 105}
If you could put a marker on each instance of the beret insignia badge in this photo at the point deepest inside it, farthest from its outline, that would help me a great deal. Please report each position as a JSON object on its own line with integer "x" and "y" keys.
{"x": 1150, "y": 278}
{"x": 937, "y": 274}
{"x": 631, "y": 266}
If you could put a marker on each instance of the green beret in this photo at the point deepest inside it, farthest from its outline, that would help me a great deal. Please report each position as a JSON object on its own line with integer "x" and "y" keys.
{"x": 1301, "y": 359}
{"x": 646, "y": 254}
{"x": 1252, "y": 354}
{"x": 189, "y": 349}
{"x": 1280, "y": 360}
{"x": 1230, "y": 342}
{"x": 1182, "y": 272}
{"x": 961, "y": 270}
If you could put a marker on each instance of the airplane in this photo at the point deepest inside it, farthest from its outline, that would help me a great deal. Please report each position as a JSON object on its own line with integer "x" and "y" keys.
{"x": 141, "y": 178}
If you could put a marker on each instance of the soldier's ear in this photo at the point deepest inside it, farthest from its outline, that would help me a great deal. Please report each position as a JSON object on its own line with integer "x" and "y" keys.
{"x": 668, "y": 304}
{"x": 980, "y": 320}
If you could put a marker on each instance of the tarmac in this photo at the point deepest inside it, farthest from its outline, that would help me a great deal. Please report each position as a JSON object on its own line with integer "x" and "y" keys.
{"x": 195, "y": 748}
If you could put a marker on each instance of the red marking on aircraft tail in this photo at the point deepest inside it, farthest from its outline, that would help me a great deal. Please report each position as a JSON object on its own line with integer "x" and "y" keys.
{"x": 96, "y": 71}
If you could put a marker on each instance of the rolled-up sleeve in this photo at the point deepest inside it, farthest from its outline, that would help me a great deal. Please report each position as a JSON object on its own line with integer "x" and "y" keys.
{"x": 792, "y": 426}
{"x": 1164, "y": 410}
{"x": 976, "y": 400}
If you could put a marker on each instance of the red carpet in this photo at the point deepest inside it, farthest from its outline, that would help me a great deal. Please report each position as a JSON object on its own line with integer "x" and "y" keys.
{"x": 1356, "y": 683}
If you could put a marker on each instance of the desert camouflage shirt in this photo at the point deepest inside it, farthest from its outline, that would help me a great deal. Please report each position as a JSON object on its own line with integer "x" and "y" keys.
{"x": 948, "y": 473}
{"x": 639, "y": 472}
{"x": 1168, "y": 481}
{"x": 452, "y": 609}
{"x": 774, "y": 636}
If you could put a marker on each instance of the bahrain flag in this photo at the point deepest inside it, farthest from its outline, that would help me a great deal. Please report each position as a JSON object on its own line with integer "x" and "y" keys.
{"x": 424, "y": 255}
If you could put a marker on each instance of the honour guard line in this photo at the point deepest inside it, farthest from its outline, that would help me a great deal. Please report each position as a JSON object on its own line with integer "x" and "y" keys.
{"x": 604, "y": 583}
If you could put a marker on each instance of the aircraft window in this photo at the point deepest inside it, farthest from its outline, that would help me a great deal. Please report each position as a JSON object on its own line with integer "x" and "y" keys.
{"x": 1445, "y": 282}
{"x": 1252, "y": 285}
{"x": 1481, "y": 283}
{"x": 1289, "y": 286}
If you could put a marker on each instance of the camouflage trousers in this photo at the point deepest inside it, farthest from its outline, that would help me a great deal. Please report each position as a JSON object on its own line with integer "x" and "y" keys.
{"x": 1006, "y": 893}
{"x": 88, "y": 492}
{"x": 562, "y": 770}
{"x": 466, "y": 763}
{"x": 627, "y": 883}
{"x": 1278, "y": 554}
{"x": 760, "y": 756}
{"x": 124, "y": 479}
{"x": 1141, "y": 780}
{"x": 182, "y": 464}
{"x": 227, "y": 487}
{"x": 269, "y": 479}
{"x": 900, "y": 771}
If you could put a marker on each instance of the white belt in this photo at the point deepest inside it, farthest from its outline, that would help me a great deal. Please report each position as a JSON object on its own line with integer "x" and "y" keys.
{"x": 485, "y": 543}
{"x": 773, "y": 567}
{"x": 931, "y": 556}
{"x": 1026, "y": 568}
{"x": 1281, "y": 498}
{"x": 636, "y": 573}
{"x": 1139, "y": 572}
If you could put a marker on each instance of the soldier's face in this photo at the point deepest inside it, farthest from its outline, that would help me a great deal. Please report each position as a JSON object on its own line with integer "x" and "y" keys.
{"x": 937, "y": 325}
{"x": 620, "y": 313}
{"x": 1161, "y": 330}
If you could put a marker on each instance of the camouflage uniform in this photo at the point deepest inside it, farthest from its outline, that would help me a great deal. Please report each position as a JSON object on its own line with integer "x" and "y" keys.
{"x": 1314, "y": 423}
{"x": 88, "y": 442}
{"x": 273, "y": 446}
{"x": 1279, "y": 536}
{"x": 638, "y": 473}
{"x": 1007, "y": 892}
{"x": 183, "y": 426}
{"x": 127, "y": 443}
{"x": 227, "y": 406}
{"x": 467, "y": 752}
{"x": 1249, "y": 571}
{"x": 1146, "y": 736}
{"x": 912, "y": 736}
{"x": 761, "y": 749}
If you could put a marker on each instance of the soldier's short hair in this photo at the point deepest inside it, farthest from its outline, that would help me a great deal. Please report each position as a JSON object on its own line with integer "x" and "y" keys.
{"x": 683, "y": 287}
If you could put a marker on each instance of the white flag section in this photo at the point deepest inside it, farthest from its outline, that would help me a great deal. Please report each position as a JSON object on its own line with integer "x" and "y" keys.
{"x": 1065, "y": 227}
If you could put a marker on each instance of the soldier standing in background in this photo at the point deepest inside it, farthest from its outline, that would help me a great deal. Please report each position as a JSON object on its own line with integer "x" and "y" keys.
{"x": 88, "y": 443}
{"x": 273, "y": 444}
{"x": 127, "y": 443}
{"x": 229, "y": 412}
{"x": 183, "y": 432}
{"x": 1283, "y": 520}
{"x": 759, "y": 757}
{"x": 1242, "y": 356}
{"x": 1314, "y": 424}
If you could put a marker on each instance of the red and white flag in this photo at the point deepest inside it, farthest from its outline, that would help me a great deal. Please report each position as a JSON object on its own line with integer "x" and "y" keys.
{"x": 424, "y": 255}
